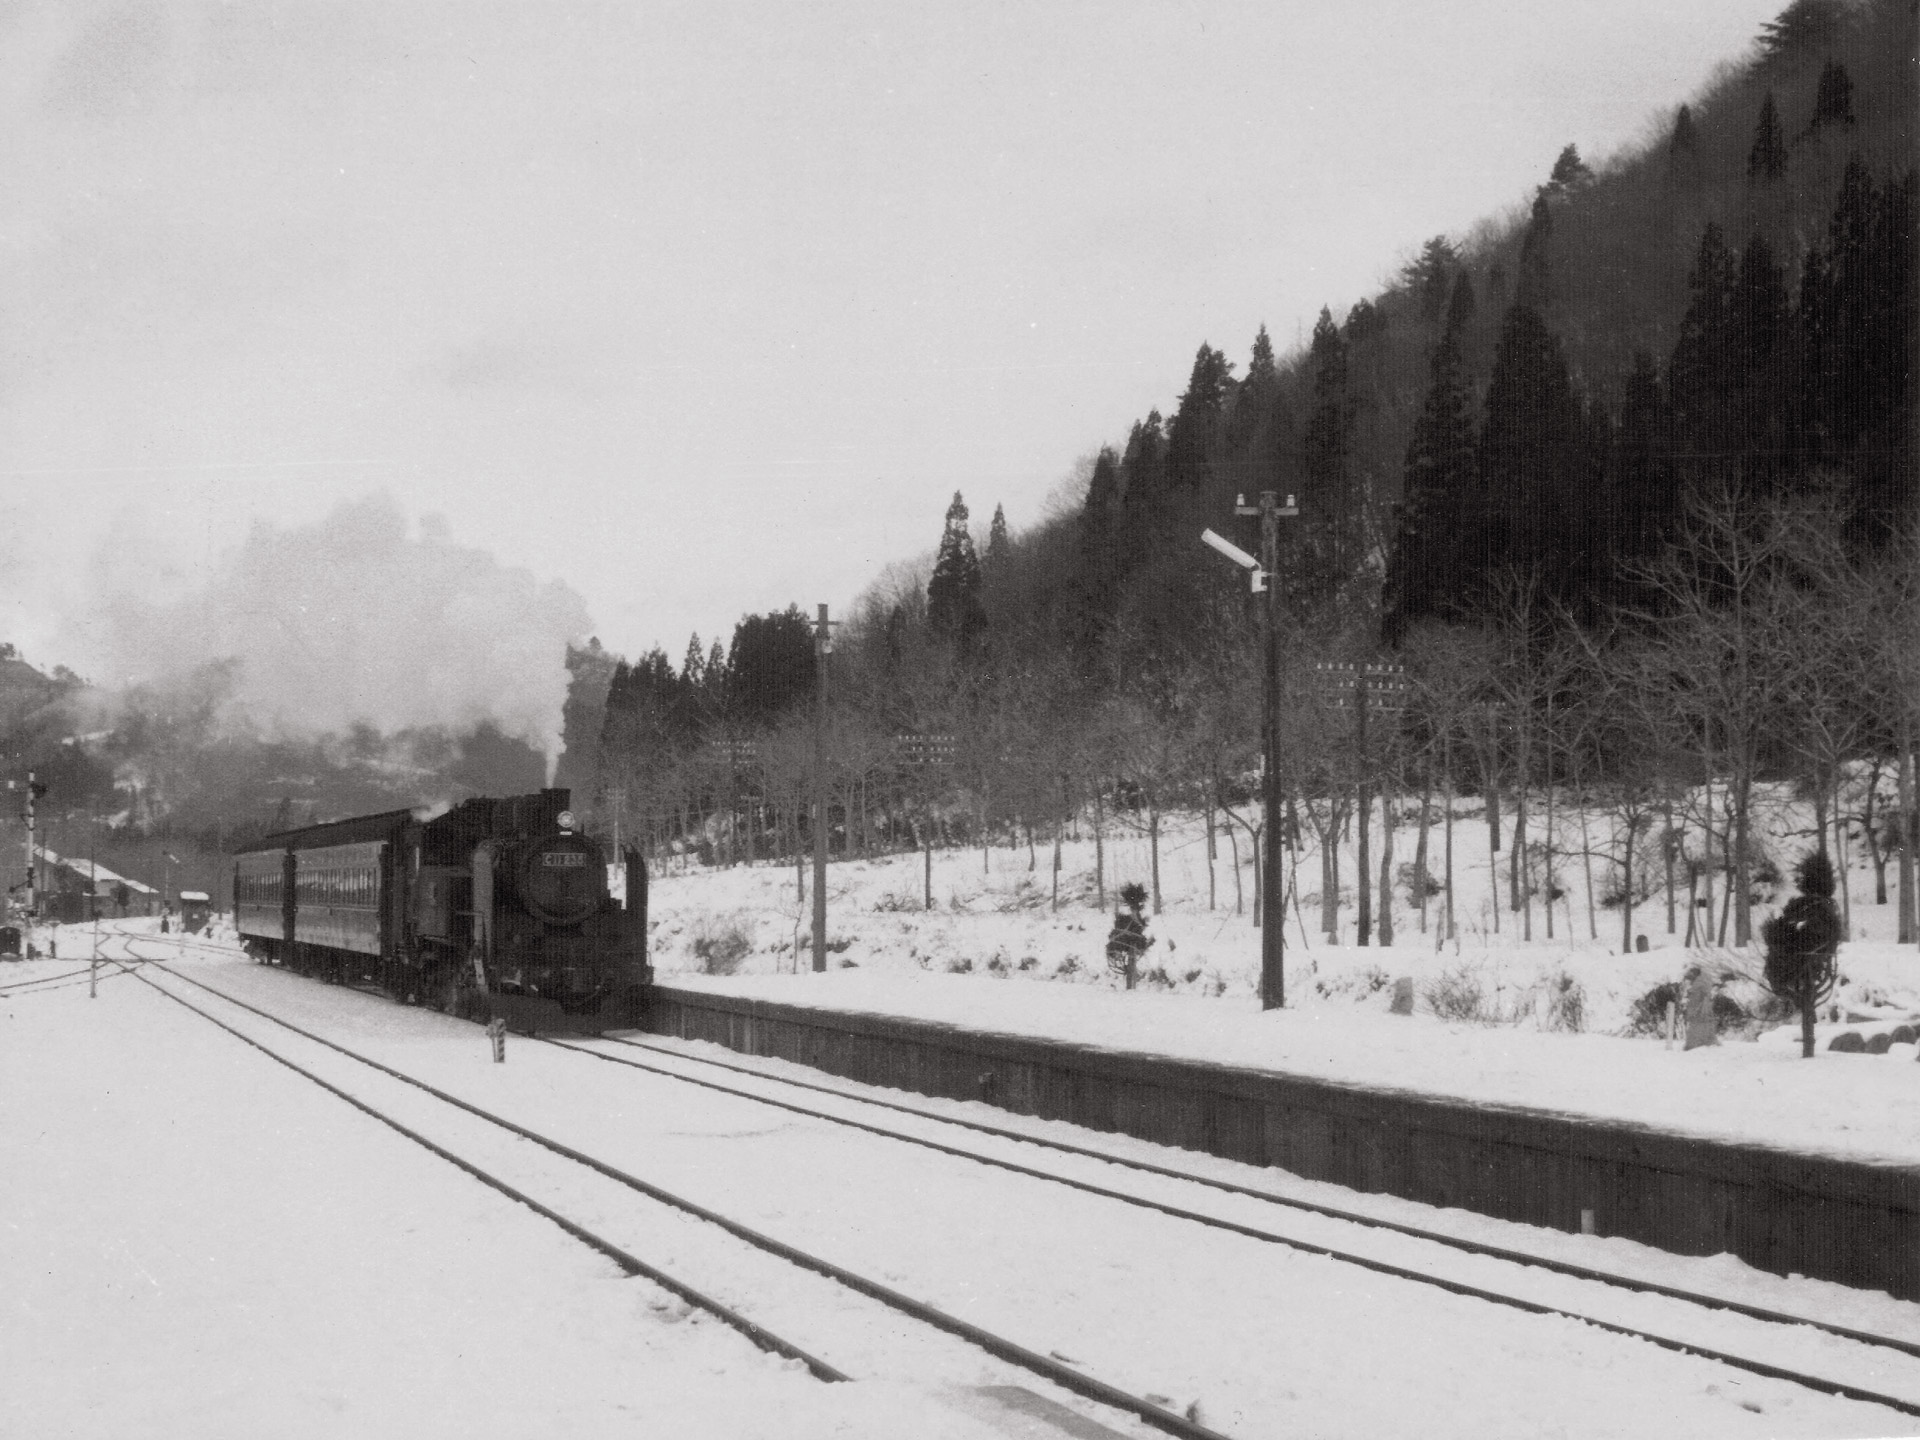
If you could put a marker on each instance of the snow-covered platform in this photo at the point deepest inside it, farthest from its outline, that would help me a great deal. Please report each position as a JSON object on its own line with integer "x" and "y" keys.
{"x": 1743, "y": 1149}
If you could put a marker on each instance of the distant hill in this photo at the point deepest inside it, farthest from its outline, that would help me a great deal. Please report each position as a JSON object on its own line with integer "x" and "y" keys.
{"x": 1593, "y": 434}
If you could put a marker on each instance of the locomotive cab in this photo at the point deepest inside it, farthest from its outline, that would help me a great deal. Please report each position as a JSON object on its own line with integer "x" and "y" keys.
{"x": 547, "y": 928}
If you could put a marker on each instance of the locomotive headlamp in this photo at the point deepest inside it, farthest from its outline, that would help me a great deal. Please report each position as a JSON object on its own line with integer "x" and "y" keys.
{"x": 566, "y": 820}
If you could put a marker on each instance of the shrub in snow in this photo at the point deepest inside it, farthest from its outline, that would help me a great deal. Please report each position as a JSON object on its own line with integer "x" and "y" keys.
{"x": 720, "y": 943}
{"x": 1419, "y": 884}
{"x": 1458, "y": 995}
{"x": 960, "y": 965}
{"x": 1357, "y": 984}
{"x": 1728, "y": 1013}
{"x": 1648, "y": 1015}
{"x": 1566, "y": 1003}
{"x": 1026, "y": 896}
{"x": 1802, "y": 942}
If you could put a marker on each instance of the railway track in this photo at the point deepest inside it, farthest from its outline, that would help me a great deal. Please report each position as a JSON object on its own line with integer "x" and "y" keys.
{"x": 1425, "y": 1274}
{"x": 1503, "y": 1288}
{"x": 439, "y": 1111}
{"x": 79, "y": 974}
{"x": 1361, "y": 1221}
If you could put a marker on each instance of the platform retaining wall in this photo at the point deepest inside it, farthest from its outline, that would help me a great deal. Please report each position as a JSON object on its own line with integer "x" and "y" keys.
{"x": 1834, "y": 1219}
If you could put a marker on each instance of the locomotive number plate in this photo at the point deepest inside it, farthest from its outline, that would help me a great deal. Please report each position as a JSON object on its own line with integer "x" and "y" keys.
{"x": 564, "y": 860}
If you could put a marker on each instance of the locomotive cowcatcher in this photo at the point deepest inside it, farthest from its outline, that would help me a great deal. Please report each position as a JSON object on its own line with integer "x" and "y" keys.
{"x": 497, "y": 907}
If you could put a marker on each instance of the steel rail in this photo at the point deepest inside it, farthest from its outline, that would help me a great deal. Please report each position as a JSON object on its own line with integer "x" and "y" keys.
{"x": 762, "y": 1337}
{"x": 1152, "y": 1414}
{"x": 1068, "y": 1378}
{"x": 1383, "y": 1267}
{"x": 1472, "y": 1247}
{"x": 79, "y": 974}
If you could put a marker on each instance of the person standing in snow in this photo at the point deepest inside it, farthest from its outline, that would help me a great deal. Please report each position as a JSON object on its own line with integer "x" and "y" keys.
{"x": 1128, "y": 940}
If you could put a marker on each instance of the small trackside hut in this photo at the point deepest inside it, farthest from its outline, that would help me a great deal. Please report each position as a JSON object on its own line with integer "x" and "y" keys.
{"x": 496, "y": 907}
{"x": 196, "y": 908}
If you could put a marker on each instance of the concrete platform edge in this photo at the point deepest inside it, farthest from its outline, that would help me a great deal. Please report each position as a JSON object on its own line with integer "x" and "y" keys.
{"x": 1851, "y": 1221}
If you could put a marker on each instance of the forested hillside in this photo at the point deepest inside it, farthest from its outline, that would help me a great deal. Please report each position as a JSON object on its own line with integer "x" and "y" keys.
{"x": 1626, "y": 483}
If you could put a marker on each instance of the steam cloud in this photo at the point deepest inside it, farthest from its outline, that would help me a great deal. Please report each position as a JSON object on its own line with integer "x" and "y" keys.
{"x": 354, "y": 620}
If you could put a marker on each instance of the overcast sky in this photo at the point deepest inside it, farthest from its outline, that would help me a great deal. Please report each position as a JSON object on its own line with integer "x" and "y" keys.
{"x": 702, "y": 308}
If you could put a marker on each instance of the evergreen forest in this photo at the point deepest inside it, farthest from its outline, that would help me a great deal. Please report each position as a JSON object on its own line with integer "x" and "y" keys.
{"x": 1624, "y": 482}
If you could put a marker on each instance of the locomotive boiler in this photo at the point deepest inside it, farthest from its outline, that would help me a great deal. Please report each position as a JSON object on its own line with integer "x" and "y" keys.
{"x": 497, "y": 907}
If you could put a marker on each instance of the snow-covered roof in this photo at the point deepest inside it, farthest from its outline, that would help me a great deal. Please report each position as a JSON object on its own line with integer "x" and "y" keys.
{"x": 196, "y": 895}
{"x": 92, "y": 870}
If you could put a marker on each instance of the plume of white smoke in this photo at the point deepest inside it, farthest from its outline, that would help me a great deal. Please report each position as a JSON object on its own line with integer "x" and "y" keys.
{"x": 356, "y": 620}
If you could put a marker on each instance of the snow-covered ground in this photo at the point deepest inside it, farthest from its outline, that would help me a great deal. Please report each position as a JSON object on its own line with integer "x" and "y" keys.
{"x": 196, "y": 1243}
{"x": 200, "y": 1243}
{"x": 994, "y": 928}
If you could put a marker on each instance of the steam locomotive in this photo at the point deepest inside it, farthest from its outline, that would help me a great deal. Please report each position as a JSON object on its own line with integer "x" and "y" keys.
{"x": 497, "y": 907}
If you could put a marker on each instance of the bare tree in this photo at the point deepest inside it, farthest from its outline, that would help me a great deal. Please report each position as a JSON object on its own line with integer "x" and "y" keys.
{"x": 1451, "y": 668}
{"x": 1729, "y": 599}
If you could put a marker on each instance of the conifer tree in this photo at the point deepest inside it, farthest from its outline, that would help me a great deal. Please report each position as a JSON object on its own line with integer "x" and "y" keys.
{"x": 1143, "y": 489}
{"x": 1535, "y": 287}
{"x": 1261, "y": 368}
{"x": 1833, "y": 100}
{"x": 1190, "y": 434}
{"x": 1759, "y": 390}
{"x": 1647, "y": 502}
{"x": 1442, "y": 513}
{"x": 770, "y": 666}
{"x": 1698, "y": 369}
{"x": 1248, "y": 404}
{"x": 1531, "y": 453}
{"x": 1802, "y": 942}
{"x": 1685, "y": 141}
{"x": 954, "y": 611}
{"x": 1330, "y": 507}
{"x": 1857, "y": 316}
{"x": 1803, "y": 25}
{"x": 1364, "y": 321}
{"x": 1683, "y": 150}
{"x": 1099, "y": 557}
{"x": 1430, "y": 277}
{"x": 998, "y": 545}
{"x": 1570, "y": 172}
{"x": 1768, "y": 157}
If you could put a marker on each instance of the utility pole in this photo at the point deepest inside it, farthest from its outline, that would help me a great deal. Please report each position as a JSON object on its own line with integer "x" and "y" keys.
{"x": 1273, "y": 907}
{"x": 93, "y": 904}
{"x": 34, "y": 791}
{"x": 822, "y": 648}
